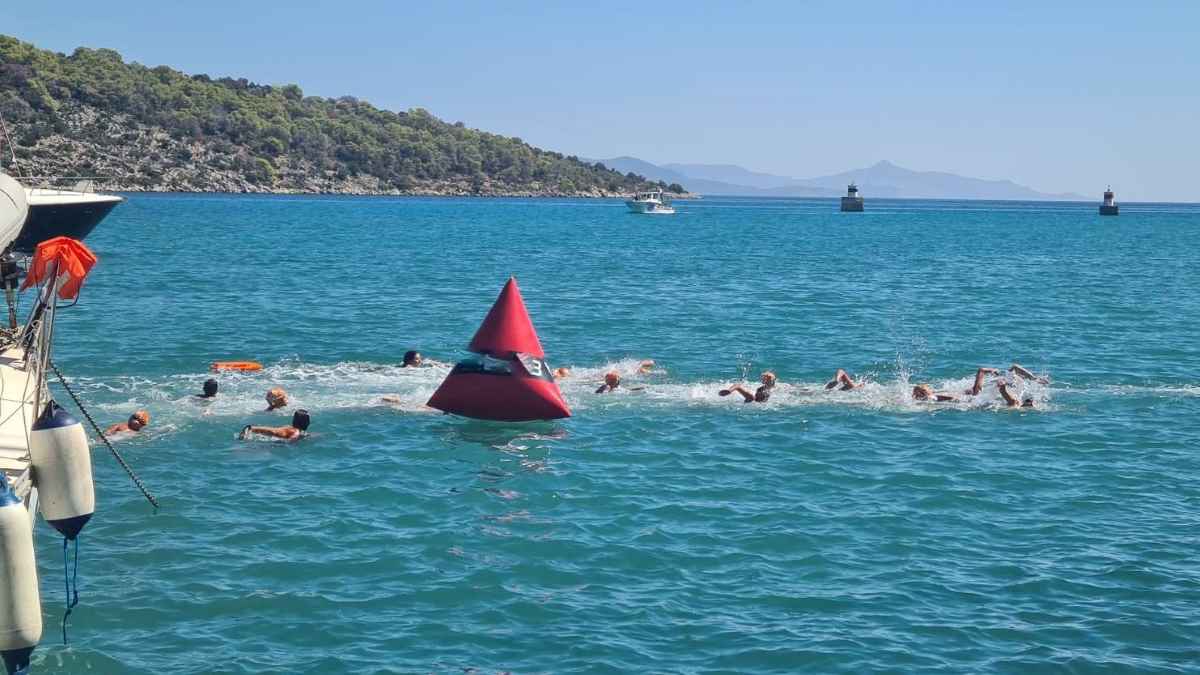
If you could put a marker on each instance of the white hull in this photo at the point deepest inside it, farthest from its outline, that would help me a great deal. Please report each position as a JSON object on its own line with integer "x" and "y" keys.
{"x": 649, "y": 207}
{"x": 16, "y": 418}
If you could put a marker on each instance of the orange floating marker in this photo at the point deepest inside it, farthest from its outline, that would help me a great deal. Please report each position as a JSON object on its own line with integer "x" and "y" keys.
{"x": 510, "y": 381}
{"x": 245, "y": 366}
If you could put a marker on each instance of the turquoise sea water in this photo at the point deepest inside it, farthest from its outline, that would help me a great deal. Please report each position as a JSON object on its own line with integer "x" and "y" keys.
{"x": 666, "y": 530}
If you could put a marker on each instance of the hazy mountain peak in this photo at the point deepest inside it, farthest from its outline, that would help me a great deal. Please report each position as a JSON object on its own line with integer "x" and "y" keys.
{"x": 881, "y": 179}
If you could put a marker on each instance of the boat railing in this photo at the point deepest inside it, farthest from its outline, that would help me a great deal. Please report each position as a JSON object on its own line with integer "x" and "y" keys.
{"x": 61, "y": 184}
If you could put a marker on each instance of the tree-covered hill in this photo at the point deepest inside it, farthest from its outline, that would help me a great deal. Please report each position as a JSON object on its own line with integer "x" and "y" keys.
{"x": 92, "y": 114}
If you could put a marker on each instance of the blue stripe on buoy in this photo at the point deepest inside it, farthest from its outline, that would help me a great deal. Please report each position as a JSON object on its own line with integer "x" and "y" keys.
{"x": 70, "y": 527}
{"x": 16, "y": 661}
{"x": 53, "y": 417}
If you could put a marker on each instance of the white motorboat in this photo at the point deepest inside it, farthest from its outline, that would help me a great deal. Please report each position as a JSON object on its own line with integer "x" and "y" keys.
{"x": 651, "y": 201}
{"x": 57, "y": 206}
{"x": 58, "y": 212}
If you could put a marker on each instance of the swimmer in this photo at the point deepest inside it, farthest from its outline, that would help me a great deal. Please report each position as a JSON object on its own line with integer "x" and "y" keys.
{"x": 1010, "y": 400}
{"x": 760, "y": 395}
{"x": 276, "y": 398}
{"x": 414, "y": 359}
{"x": 924, "y": 392}
{"x": 293, "y": 432}
{"x": 210, "y": 389}
{"x": 612, "y": 380}
{"x": 137, "y": 421}
{"x": 1017, "y": 369}
{"x": 978, "y": 384}
{"x": 843, "y": 378}
{"x": 645, "y": 367}
{"x": 560, "y": 373}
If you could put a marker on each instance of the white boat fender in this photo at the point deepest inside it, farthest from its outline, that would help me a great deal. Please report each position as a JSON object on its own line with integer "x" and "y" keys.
{"x": 20, "y": 606}
{"x": 62, "y": 472}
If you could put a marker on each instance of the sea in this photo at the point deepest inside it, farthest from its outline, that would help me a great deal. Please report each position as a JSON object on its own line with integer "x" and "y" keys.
{"x": 662, "y": 528}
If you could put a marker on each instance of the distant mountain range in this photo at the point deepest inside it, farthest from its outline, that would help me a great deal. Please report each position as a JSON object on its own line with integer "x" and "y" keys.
{"x": 883, "y": 179}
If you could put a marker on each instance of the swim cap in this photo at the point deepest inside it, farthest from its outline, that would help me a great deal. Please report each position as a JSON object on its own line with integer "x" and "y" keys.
{"x": 611, "y": 378}
{"x": 210, "y": 388}
{"x": 276, "y": 397}
{"x": 410, "y": 356}
{"x": 141, "y": 416}
{"x": 300, "y": 420}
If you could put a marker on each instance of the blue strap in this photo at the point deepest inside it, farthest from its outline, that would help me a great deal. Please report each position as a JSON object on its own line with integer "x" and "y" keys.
{"x": 71, "y": 581}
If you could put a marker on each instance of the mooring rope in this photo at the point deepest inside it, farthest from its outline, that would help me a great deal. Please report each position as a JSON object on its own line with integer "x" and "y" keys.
{"x": 72, "y": 583}
{"x": 120, "y": 460}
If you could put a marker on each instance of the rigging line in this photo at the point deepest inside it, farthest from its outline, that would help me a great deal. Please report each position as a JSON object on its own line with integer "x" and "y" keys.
{"x": 12, "y": 148}
{"x": 120, "y": 460}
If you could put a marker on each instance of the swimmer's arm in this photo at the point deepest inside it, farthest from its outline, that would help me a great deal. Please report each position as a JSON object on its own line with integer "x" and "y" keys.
{"x": 1008, "y": 398}
{"x": 944, "y": 398}
{"x": 1020, "y": 370}
{"x": 276, "y": 432}
{"x": 603, "y": 388}
{"x": 979, "y": 375}
{"x": 741, "y": 390}
{"x": 117, "y": 429}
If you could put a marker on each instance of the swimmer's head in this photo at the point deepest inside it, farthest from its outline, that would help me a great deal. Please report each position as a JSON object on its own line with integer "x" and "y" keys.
{"x": 1028, "y": 402}
{"x": 412, "y": 358}
{"x": 612, "y": 379}
{"x": 300, "y": 420}
{"x": 560, "y": 373}
{"x": 138, "y": 420}
{"x": 922, "y": 392}
{"x": 646, "y": 366}
{"x": 210, "y": 388}
{"x": 276, "y": 398}
{"x": 767, "y": 378}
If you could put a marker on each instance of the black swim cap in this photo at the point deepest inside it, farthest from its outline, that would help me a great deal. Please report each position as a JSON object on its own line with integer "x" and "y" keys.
{"x": 410, "y": 356}
{"x": 210, "y": 387}
{"x": 300, "y": 420}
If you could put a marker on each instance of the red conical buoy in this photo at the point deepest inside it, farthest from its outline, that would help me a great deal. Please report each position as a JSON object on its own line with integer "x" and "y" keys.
{"x": 506, "y": 328}
{"x": 511, "y": 382}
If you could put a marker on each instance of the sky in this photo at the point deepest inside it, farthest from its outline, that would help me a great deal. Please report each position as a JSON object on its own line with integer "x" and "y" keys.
{"x": 1062, "y": 97}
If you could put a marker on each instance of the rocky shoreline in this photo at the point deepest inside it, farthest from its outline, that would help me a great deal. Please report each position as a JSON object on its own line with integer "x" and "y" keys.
{"x": 350, "y": 191}
{"x": 121, "y": 155}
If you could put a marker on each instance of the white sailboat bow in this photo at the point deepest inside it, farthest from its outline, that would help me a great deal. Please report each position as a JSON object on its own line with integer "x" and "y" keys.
{"x": 45, "y": 459}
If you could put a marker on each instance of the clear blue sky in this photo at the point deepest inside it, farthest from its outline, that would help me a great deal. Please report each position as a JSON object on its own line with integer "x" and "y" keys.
{"x": 1063, "y": 98}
